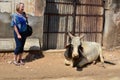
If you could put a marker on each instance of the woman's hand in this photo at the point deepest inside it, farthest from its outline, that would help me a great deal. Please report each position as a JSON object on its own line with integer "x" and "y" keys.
{"x": 19, "y": 36}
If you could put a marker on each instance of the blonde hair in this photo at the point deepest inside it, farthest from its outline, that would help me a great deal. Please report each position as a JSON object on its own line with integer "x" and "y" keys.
{"x": 18, "y": 6}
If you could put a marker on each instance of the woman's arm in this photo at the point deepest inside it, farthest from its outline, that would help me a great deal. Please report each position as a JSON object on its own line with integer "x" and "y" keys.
{"x": 18, "y": 34}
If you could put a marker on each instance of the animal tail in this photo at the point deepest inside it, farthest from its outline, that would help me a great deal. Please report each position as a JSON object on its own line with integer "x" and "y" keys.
{"x": 108, "y": 62}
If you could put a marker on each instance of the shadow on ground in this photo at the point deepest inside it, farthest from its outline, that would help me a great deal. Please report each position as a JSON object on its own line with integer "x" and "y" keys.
{"x": 33, "y": 54}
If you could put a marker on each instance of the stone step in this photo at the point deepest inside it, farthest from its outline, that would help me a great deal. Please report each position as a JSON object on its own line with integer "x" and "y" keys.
{"x": 8, "y": 44}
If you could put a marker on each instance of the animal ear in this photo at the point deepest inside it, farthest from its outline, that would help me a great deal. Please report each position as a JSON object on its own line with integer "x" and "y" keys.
{"x": 70, "y": 35}
{"x": 82, "y": 36}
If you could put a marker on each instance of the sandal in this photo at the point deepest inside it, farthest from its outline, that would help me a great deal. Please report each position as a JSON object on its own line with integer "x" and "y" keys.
{"x": 16, "y": 63}
{"x": 21, "y": 62}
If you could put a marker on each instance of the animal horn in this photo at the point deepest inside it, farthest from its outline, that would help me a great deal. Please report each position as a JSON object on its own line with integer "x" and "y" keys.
{"x": 70, "y": 35}
{"x": 82, "y": 36}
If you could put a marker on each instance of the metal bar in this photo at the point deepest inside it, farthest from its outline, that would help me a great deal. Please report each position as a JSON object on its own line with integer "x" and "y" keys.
{"x": 48, "y": 32}
{"x": 99, "y": 5}
{"x": 74, "y": 17}
{"x": 96, "y": 29}
{"x": 79, "y": 25}
{"x": 88, "y": 15}
{"x": 48, "y": 2}
{"x": 103, "y": 23}
{"x": 66, "y": 27}
{"x": 75, "y": 32}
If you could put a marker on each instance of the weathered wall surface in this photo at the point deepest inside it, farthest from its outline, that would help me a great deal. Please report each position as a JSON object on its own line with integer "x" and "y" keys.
{"x": 112, "y": 28}
{"x": 5, "y": 29}
{"x": 35, "y": 11}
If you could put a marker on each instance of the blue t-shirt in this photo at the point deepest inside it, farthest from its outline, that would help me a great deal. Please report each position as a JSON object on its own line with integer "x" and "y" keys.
{"x": 19, "y": 21}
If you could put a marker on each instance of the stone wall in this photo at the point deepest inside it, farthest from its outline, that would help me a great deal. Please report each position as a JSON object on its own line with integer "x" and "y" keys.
{"x": 36, "y": 21}
{"x": 112, "y": 28}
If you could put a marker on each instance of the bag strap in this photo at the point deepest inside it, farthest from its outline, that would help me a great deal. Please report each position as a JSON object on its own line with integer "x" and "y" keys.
{"x": 24, "y": 14}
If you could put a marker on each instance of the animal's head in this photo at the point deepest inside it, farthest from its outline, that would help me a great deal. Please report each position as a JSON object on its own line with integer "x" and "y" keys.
{"x": 75, "y": 42}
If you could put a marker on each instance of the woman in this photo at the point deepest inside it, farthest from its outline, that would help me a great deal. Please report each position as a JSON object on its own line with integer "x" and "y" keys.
{"x": 19, "y": 23}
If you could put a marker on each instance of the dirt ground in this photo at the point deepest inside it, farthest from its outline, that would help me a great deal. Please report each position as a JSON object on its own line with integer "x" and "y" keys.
{"x": 49, "y": 65}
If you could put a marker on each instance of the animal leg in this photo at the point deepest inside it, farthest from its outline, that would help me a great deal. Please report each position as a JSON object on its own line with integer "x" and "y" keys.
{"x": 101, "y": 57}
{"x": 82, "y": 62}
{"x": 94, "y": 62}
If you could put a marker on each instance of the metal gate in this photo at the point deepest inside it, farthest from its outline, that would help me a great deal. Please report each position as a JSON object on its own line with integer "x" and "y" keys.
{"x": 76, "y": 16}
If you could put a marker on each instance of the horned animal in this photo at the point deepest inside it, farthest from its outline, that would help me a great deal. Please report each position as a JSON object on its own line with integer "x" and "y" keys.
{"x": 79, "y": 53}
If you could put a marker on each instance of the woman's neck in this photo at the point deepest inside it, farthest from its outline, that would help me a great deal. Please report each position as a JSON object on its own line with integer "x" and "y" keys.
{"x": 19, "y": 13}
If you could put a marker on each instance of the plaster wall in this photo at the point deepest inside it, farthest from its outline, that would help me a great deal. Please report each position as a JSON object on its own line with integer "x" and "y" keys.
{"x": 35, "y": 12}
{"x": 112, "y": 28}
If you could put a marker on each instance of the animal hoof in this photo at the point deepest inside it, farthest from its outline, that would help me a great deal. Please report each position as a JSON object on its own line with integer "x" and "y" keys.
{"x": 67, "y": 64}
{"x": 94, "y": 62}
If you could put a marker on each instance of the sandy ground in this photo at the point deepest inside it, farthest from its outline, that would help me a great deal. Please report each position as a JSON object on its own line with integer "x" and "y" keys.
{"x": 49, "y": 65}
